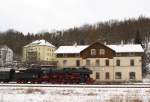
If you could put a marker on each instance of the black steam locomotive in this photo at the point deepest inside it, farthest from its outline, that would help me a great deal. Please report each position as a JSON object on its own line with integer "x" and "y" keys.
{"x": 47, "y": 75}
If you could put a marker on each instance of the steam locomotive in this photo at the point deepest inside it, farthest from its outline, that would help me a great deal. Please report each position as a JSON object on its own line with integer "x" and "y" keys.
{"x": 47, "y": 75}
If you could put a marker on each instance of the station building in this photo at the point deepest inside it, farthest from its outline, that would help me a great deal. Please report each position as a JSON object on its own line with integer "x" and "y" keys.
{"x": 109, "y": 63}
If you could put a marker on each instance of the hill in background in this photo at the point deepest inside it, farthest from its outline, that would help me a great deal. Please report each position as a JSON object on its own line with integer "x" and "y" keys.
{"x": 112, "y": 31}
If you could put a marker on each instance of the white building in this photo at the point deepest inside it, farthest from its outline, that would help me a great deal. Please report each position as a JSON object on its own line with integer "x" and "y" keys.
{"x": 6, "y": 55}
{"x": 109, "y": 63}
{"x": 39, "y": 51}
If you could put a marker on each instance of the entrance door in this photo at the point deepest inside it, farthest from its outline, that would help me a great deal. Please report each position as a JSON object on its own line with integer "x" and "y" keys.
{"x": 78, "y": 63}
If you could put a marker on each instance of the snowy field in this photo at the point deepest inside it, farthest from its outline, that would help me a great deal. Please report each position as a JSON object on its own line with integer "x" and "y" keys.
{"x": 61, "y": 94}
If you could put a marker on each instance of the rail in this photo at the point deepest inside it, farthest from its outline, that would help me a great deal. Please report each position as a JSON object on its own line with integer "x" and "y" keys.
{"x": 77, "y": 86}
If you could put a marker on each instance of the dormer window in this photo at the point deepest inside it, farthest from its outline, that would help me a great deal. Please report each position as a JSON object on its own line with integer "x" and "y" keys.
{"x": 93, "y": 52}
{"x": 102, "y": 52}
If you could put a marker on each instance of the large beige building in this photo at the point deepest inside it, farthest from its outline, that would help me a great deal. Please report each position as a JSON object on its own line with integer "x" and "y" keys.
{"x": 39, "y": 51}
{"x": 108, "y": 62}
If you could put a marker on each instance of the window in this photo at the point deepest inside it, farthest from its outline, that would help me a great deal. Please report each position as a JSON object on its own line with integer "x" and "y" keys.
{"x": 107, "y": 62}
{"x": 118, "y": 62}
{"x": 64, "y": 62}
{"x": 132, "y": 75}
{"x": 88, "y": 62}
{"x": 77, "y": 63}
{"x": 102, "y": 52}
{"x": 93, "y": 52}
{"x": 118, "y": 75}
{"x": 118, "y": 54}
{"x": 65, "y": 55}
{"x": 97, "y": 63}
{"x": 131, "y": 62}
{"x": 107, "y": 75}
{"x": 97, "y": 75}
{"x": 131, "y": 54}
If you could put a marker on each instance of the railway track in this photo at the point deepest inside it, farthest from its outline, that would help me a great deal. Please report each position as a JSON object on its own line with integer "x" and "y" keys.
{"x": 78, "y": 86}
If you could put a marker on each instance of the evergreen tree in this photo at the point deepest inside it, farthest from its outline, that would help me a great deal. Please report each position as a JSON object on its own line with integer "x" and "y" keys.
{"x": 138, "y": 38}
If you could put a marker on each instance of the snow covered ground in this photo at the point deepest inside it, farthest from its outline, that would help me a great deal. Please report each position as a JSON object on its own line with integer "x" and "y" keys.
{"x": 61, "y": 94}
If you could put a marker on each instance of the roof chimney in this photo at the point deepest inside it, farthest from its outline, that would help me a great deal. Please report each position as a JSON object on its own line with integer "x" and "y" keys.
{"x": 75, "y": 44}
{"x": 122, "y": 43}
{"x": 105, "y": 43}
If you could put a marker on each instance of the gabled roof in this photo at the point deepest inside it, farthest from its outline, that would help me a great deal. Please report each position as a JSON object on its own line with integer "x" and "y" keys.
{"x": 70, "y": 49}
{"x": 126, "y": 48}
{"x": 41, "y": 42}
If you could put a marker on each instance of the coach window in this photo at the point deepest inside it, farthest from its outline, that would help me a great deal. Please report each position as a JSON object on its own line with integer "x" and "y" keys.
{"x": 107, "y": 62}
{"x": 132, "y": 75}
{"x": 107, "y": 75}
{"x": 118, "y": 62}
{"x": 118, "y": 75}
{"x": 64, "y": 62}
{"x": 93, "y": 52}
{"x": 97, "y": 75}
{"x": 131, "y": 62}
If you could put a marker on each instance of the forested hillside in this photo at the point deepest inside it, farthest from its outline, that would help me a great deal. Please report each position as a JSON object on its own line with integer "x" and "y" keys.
{"x": 112, "y": 31}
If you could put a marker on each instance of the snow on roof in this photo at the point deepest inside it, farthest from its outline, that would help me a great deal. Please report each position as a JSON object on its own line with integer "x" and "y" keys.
{"x": 126, "y": 48}
{"x": 71, "y": 49}
{"x": 117, "y": 48}
{"x": 42, "y": 42}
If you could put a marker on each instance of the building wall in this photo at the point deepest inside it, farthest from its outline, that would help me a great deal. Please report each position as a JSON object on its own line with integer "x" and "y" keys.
{"x": 44, "y": 53}
{"x": 125, "y": 68}
{"x": 6, "y": 56}
{"x": 71, "y": 62}
{"x": 9, "y": 57}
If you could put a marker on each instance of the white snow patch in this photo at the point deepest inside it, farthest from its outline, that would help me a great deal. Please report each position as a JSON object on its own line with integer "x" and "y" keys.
{"x": 41, "y": 42}
{"x": 126, "y": 48}
{"x": 117, "y": 48}
{"x": 60, "y": 94}
{"x": 70, "y": 49}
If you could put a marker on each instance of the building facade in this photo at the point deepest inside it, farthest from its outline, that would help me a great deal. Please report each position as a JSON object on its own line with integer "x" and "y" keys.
{"x": 39, "y": 51}
{"x": 6, "y": 56}
{"x": 108, "y": 62}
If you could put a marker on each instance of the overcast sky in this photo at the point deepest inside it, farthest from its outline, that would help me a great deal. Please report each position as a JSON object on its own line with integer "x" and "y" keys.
{"x": 38, "y": 15}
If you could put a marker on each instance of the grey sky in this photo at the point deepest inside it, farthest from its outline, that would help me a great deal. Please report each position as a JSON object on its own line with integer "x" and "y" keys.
{"x": 36, "y": 15}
